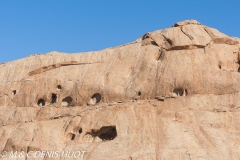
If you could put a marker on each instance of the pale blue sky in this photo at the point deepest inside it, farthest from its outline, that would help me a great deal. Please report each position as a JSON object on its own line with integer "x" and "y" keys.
{"x": 40, "y": 26}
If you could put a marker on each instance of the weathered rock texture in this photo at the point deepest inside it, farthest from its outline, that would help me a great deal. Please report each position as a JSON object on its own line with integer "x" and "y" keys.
{"x": 171, "y": 94}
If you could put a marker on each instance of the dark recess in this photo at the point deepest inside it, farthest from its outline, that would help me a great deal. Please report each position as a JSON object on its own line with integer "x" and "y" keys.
{"x": 154, "y": 43}
{"x": 180, "y": 92}
{"x": 97, "y": 96}
{"x": 73, "y": 136}
{"x": 68, "y": 100}
{"x": 41, "y": 102}
{"x": 59, "y": 87}
{"x": 219, "y": 66}
{"x": 139, "y": 93}
{"x": 80, "y": 131}
{"x": 54, "y": 98}
{"x": 105, "y": 133}
{"x": 14, "y": 92}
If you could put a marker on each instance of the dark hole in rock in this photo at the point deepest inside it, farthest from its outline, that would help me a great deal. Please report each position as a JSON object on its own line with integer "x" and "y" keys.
{"x": 57, "y": 117}
{"x": 154, "y": 43}
{"x": 59, "y": 87}
{"x": 41, "y": 102}
{"x": 105, "y": 133}
{"x": 219, "y": 66}
{"x": 14, "y": 92}
{"x": 180, "y": 92}
{"x": 169, "y": 41}
{"x": 71, "y": 136}
{"x": 160, "y": 98}
{"x": 139, "y": 93}
{"x": 145, "y": 36}
{"x": 67, "y": 101}
{"x": 96, "y": 98}
{"x": 54, "y": 98}
{"x": 80, "y": 131}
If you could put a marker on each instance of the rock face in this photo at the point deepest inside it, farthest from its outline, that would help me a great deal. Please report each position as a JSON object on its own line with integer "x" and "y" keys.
{"x": 171, "y": 94}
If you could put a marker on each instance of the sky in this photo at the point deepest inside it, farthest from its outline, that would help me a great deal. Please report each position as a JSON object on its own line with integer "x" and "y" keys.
{"x": 41, "y": 26}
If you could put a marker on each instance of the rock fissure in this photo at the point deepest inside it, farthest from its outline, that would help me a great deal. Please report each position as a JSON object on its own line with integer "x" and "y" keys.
{"x": 55, "y": 66}
{"x": 186, "y": 47}
{"x": 188, "y": 35}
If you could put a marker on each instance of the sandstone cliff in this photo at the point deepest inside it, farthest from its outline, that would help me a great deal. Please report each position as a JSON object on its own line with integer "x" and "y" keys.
{"x": 171, "y": 94}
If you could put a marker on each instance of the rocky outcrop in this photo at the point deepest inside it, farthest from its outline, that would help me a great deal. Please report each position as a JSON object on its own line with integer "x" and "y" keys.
{"x": 171, "y": 94}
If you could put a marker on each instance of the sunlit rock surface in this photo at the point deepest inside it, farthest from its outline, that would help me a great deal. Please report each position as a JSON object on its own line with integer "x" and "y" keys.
{"x": 172, "y": 94}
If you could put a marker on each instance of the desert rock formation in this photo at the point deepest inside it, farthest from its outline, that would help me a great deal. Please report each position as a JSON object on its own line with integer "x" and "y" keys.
{"x": 172, "y": 94}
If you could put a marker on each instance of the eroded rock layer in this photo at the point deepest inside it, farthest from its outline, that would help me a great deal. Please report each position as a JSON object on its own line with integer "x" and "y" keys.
{"x": 171, "y": 94}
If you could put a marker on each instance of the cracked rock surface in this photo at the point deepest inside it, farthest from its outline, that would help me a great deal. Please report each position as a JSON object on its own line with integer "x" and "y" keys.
{"x": 171, "y": 94}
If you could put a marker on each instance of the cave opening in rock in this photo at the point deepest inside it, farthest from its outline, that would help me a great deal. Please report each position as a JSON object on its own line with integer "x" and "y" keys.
{"x": 96, "y": 98}
{"x": 41, "y": 102}
{"x": 67, "y": 101}
{"x": 180, "y": 92}
{"x": 139, "y": 93}
{"x": 80, "y": 131}
{"x": 71, "y": 136}
{"x": 59, "y": 87}
{"x": 106, "y": 133}
{"x": 54, "y": 98}
{"x": 14, "y": 92}
{"x": 219, "y": 66}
